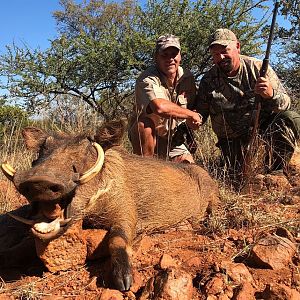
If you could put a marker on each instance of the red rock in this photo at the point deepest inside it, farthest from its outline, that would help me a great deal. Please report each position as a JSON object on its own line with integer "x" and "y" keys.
{"x": 274, "y": 252}
{"x": 238, "y": 272}
{"x": 245, "y": 292}
{"x": 129, "y": 295}
{"x": 194, "y": 262}
{"x": 65, "y": 252}
{"x": 215, "y": 286}
{"x": 229, "y": 291}
{"x": 171, "y": 284}
{"x": 269, "y": 182}
{"x": 144, "y": 246}
{"x": 108, "y": 294}
{"x": 223, "y": 297}
{"x": 166, "y": 261}
{"x": 137, "y": 280}
{"x": 96, "y": 241}
{"x": 53, "y": 297}
{"x": 6, "y": 297}
{"x": 280, "y": 291}
{"x": 211, "y": 297}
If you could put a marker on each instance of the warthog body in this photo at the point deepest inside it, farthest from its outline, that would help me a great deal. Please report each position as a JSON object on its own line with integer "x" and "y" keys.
{"x": 129, "y": 195}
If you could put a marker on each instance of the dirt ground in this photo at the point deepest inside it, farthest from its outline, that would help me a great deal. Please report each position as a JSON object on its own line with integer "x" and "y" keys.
{"x": 199, "y": 252}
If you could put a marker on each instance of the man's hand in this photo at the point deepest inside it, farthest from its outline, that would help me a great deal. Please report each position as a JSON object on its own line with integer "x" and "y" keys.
{"x": 264, "y": 88}
{"x": 194, "y": 121}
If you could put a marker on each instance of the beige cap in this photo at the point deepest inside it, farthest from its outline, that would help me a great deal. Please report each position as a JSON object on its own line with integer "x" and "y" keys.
{"x": 223, "y": 37}
{"x": 166, "y": 41}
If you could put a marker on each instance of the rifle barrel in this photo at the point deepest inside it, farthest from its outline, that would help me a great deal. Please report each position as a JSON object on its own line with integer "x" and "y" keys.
{"x": 262, "y": 73}
{"x": 271, "y": 34}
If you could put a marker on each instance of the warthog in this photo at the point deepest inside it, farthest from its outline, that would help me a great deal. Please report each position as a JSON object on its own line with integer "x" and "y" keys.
{"x": 75, "y": 177}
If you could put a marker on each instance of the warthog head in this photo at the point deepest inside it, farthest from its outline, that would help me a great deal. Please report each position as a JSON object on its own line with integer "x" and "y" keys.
{"x": 63, "y": 163}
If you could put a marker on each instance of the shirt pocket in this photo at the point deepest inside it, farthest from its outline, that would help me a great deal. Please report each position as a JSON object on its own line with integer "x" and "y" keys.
{"x": 182, "y": 99}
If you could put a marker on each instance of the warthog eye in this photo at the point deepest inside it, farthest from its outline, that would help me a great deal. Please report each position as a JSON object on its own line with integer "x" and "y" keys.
{"x": 74, "y": 169}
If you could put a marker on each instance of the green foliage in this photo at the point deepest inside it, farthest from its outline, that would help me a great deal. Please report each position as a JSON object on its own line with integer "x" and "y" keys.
{"x": 194, "y": 22}
{"x": 288, "y": 66}
{"x": 11, "y": 117}
{"x": 103, "y": 46}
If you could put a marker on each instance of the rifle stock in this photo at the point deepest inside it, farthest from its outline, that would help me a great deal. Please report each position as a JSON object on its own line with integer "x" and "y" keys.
{"x": 262, "y": 73}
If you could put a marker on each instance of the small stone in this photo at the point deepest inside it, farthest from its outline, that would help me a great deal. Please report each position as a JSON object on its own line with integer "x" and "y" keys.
{"x": 194, "y": 262}
{"x": 238, "y": 272}
{"x": 215, "y": 286}
{"x": 245, "y": 292}
{"x": 109, "y": 294}
{"x": 166, "y": 261}
{"x": 171, "y": 284}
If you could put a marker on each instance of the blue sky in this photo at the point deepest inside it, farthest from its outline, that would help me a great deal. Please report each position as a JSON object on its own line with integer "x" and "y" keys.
{"x": 27, "y": 21}
{"x": 31, "y": 22}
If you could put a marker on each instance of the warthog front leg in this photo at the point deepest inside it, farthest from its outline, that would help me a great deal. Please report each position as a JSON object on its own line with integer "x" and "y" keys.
{"x": 120, "y": 263}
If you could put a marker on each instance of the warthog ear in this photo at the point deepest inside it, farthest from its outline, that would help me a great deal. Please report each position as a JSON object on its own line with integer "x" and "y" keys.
{"x": 34, "y": 137}
{"x": 110, "y": 134}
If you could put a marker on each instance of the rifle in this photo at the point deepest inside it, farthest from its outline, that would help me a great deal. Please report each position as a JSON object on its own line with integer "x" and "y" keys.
{"x": 262, "y": 73}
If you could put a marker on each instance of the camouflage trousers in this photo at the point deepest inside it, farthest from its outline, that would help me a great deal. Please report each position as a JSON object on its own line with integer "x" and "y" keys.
{"x": 278, "y": 132}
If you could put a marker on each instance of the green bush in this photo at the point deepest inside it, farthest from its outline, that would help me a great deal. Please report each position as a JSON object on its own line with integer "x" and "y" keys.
{"x": 12, "y": 117}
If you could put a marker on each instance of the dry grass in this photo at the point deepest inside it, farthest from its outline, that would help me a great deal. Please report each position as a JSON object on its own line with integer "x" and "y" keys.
{"x": 31, "y": 290}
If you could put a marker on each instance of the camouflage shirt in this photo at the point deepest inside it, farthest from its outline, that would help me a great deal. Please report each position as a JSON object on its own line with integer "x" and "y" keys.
{"x": 230, "y": 101}
{"x": 152, "y": 84}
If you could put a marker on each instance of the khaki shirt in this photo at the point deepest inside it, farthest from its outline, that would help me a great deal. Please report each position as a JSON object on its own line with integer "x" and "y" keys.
{"x": 230, "y": 101}
{"x": 152, "y": 84}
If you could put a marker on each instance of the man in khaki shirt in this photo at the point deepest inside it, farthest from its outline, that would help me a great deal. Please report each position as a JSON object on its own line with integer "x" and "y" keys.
{"x": 227, "y": 94}
{"x": 163, "y": 94}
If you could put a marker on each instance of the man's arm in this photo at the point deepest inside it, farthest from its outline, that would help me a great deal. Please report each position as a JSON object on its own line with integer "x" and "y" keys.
{"x": 166, "y": 109}
{"x": 150, "y": 99}
{"x": 271, "y": 89}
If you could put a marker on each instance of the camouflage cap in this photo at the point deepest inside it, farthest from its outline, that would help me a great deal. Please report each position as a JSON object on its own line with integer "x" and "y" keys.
{"x": 222, "y": 37}
{"x": 166, "y": 41}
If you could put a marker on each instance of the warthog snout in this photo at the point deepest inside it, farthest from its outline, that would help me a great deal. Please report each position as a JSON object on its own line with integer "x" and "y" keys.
{"x": 44, "y": 188}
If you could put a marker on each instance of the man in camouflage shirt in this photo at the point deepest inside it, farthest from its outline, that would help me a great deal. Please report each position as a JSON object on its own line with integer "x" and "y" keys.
{"x": 227, "y": 94}
{"x": 163, "y": 93}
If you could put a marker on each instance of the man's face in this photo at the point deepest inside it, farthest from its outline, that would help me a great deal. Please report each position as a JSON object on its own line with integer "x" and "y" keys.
{"x": 168, "y": 61}
{"x": 227, "y": 57}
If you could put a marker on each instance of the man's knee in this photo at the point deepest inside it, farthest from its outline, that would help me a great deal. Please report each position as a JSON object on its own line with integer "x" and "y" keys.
{"x": 291, "y": 120}
{"x": 142, "y": 137}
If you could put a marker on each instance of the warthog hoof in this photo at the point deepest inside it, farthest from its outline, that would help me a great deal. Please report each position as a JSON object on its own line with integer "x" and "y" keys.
{"x": 121, "y": 270}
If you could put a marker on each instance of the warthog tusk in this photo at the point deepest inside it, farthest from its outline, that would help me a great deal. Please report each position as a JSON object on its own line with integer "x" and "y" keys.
{"x": 93, "y": 171}
{"x": 22, "y": 220}
{"x": 54, "y": 226}
{"x": 61, "y": 222}
{"x": 44, "y": 227}
{"x": 64, "y": 222}
{"x": 8, "y": 170}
